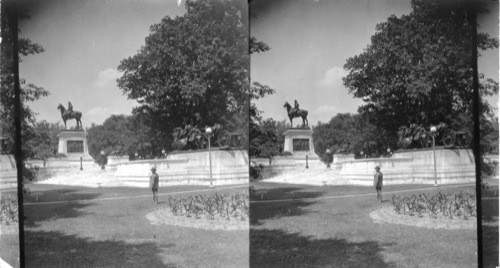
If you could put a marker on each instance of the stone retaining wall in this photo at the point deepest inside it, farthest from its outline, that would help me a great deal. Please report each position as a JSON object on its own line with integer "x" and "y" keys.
{"x": 188, "y": 168}
{"x": 407, "y": 167}
{"x": 414, "y": 167}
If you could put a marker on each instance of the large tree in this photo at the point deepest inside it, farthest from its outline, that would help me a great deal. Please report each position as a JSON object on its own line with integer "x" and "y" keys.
{"x": 267, "y": 138}
{"x": 121, "y": 135}
{"x": 44, "y": 142}
{"x": 347, "y": 133}
{"x": 417, "y": 68}
{"x": 193, "y": 69}
{"x": 28, "y": 92}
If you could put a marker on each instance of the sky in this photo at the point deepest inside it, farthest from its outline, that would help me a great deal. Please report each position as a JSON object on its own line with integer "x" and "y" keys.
{"x": 84, "y": 42}
{"x": 310, "y": 41}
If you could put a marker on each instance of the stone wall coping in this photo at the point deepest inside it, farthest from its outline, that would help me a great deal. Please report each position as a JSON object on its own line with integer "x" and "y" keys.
{"x": 291, "y": 131}
{"x": 68, "y": 133}
{"x": 380, "y": 159}
{"x": 151, "y": 161}
{"x": 202, "y": 151}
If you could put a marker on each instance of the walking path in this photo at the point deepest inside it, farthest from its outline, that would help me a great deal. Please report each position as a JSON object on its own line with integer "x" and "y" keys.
{"x": 357, "y": 195}
{"x": 134, "y": 196}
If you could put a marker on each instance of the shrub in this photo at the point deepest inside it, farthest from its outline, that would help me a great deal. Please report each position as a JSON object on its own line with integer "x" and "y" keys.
{"x": 489, "y": 168}
{"x": 227, "y": 206}
{"x": 449, "y": 205}
{"x": 8, "y": 210}
{"x": 256, "y": 171}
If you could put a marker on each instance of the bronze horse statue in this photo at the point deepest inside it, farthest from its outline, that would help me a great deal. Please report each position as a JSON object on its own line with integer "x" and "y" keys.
{"x": 292, "y": 113}
{"x": 66, "y": 115}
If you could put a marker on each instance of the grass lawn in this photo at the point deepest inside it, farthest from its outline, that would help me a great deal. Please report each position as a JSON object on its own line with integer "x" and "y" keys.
{"x": 107, "y": 227}
{"x": 490, "y": 224}
{"x": 331, "y": 227}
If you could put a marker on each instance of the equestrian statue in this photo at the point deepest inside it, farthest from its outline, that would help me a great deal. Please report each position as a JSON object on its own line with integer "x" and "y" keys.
{"x": 70, "y": 114}
{"x": 296, "y": 112}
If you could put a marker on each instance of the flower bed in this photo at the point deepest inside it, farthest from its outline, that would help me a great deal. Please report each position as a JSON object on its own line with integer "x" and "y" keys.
{"x": 449, "y": 205}
{"x": 8, "y": 210}
{"x": 227, "y": 206}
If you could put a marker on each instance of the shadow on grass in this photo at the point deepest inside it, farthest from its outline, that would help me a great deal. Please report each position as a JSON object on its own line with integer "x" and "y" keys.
{"x": 63, "y": 194}
{"x": 263, "y": 211}
{"x": 275, "y": 248}
{"x": 283, "y": 193}
{"x": 40, "y": 212}
{"x": 490, "y": 232}
{"x": 53, "y": 249}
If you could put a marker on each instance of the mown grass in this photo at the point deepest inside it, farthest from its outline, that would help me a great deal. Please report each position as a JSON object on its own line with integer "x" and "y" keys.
{"x": 96, "y": 229}
{"x": 490, "y": 223}
{"x": 338, "y": 232}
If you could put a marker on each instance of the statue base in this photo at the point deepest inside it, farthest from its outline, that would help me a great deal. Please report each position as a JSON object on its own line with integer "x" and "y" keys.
{"x": 299, "y": 142}
{"x": 73, "y": 144}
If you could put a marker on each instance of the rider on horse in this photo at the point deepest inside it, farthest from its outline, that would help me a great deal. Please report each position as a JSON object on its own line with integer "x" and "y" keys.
{"x": 70, "y": 109}
{"x": 296, "y": 107}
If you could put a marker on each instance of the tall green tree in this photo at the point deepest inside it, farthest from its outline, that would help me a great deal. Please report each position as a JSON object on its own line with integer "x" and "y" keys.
{"x": 267, "y": 138}
{"x": 417, "y": 68}
{"x": 348, "y": 133}
{"x": 121, "y": 135}
{"x": 28, "y": 92}
{"x": 193, "y": 69}
{"x": 44, "y": 142}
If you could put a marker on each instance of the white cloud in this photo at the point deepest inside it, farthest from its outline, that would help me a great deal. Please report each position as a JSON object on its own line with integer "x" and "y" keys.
{"x": 97, "y": 115}
{"x": 324, "y": 113}
{"x": 333, "y": 77}
{"x": 107, "y": 78}
{"x": 325, "y": 109}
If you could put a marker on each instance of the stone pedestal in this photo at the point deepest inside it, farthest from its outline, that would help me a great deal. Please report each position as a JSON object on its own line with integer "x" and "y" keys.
{"x": 299, "y": 142}
{"x": 73, "y": 144}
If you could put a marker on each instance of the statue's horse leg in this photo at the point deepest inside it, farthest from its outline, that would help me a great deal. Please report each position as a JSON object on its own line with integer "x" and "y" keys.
{"x": 78, "y": 118}
{"x": 291, "y": 123}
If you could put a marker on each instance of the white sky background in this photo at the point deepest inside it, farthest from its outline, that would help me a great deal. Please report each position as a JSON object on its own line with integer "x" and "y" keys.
{"x": 84, "y": 41}
{"x": 310, "y": 42}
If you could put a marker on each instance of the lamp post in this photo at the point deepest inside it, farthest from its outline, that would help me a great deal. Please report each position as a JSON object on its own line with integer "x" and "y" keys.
{"x": 328, "y": 159}
{"x": 433, "y": 134}
{"x": 307, "y": 160}
{"x": 81, "y": 162}
{"x": 102, "y": 160}
{"x": 136, "y": 155}
{"x": 163, "y": 154}
{"x": 208, "y": 132}
{"x": 362, "y": 154}
{"x": 389, "y": 152}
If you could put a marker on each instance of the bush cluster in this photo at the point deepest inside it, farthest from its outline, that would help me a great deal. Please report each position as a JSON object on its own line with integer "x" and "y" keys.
{"x": 448, "y": 205}
{"x": 227, "y": 206}
{"x": 256, "y": 171}
{"x": 8, "y": 210}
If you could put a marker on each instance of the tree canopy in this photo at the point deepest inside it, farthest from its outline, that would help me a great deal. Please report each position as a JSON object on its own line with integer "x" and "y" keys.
{"x": 121, "y": 135}
{"x": 193, "y": 69}
{"x": 28, "y": 92}
{"x": 348, "y": 133}
{"x": 44, "y": 141}
{"x": 417, "y": 68}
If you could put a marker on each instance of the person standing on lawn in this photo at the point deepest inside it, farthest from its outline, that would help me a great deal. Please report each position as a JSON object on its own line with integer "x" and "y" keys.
{"x": 377, "y": 182}
{"x": 153, "y": 184}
